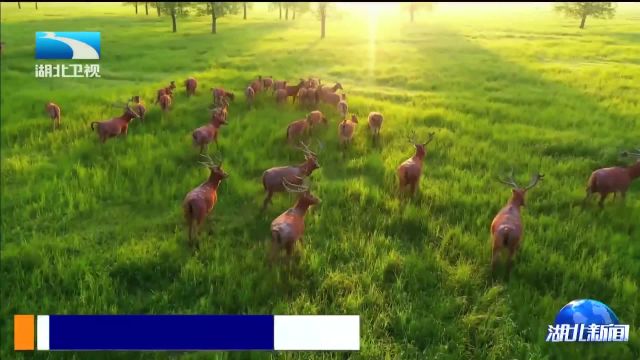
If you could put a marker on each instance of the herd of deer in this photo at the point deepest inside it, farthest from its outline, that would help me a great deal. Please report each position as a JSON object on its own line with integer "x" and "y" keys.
{"x": 288, "y": 228}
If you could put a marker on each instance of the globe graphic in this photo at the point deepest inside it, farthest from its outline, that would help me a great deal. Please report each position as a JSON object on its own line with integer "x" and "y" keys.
{"x": 586, "y": 311}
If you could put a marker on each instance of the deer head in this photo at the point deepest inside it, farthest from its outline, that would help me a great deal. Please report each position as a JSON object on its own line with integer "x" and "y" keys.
{"x": 215, "y": 166}
{"x": 518, "y": 192}
{"x": 305, "y": 198}
{"x": 421, "y": 148}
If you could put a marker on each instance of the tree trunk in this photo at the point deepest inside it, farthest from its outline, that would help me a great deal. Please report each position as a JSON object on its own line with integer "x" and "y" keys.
{"x": 19, "y": 7}
{"x": 158, "y": 8}
{"x": 36, "y": 5}
{"x": 584, "y": 18}
{"x": 244, "y": 7}
{"x": 214, "y": 19}
{"x": 146, "y": 8}
{"x": 136, "y": 7}
{"x": 293, "y": 17}
{"x": 279, "y": 6}
{"x": 173, "y": 20}
{"x": 323, "y": 18}
{"x": 286, "y": 12}
{"x": 411, "y": 12}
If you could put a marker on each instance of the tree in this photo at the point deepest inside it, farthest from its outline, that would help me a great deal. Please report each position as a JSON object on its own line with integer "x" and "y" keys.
{"x": 286, "y": 10}
{"x": 276, "y": 5}
{"x": 171, "y": 9}
{"x": 36, "y": 5}
{"x": 299, "y": 8}
{"x": 218, "y": 10}
{"x": 146, "y": 8}
{"x": 19, "y": 7}
{"x": 412, "y": 7}
{"x": 580, "y": 10}
{"x": 135, "y": 3}
{"x": 244, "y": 10}
{"x": 321, "y": 12}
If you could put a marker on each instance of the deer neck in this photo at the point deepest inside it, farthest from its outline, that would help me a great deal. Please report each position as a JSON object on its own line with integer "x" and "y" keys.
{"x": 634, "y": 170}
{"x": 516, "y": 202}
{"x": 419, "y": 156}
{"x": 302, "y": 206}
{"x": 127, "y": 117}
{"x": 214, "y": 181}
{"x": 305, "y": 169}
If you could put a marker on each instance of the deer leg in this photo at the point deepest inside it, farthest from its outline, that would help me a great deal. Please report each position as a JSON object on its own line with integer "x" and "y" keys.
{"x": 510, "y": 262}
{"x": 495, "y": 254}
{"x": 603, "y": 196}
{"x": 587, "y": 197}
{"x": 267, "y": 200}
{"x": 413, "y": 188}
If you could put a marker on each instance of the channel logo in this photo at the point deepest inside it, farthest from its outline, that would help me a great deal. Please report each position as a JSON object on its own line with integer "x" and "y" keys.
{"x": 64, "y": 45}
{"x": 587, "y": 320}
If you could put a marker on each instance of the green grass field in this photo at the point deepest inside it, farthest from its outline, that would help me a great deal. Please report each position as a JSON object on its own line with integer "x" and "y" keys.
{"x": 90, "y": 228}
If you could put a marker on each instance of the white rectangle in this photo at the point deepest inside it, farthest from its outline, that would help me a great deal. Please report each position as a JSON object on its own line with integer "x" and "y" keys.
{"x": 42, "y": 331}
{"x": 316, "y": 332}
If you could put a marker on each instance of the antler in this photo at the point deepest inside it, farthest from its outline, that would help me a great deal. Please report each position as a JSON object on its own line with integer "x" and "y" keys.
{"x": 430, "y": 139}
{"x": 634, "y": 153}
{"x": 510, "y": 180}
{"x": 412, "y": 137}
{"x": 534, "y": 181}
{"x": 209, "y": 162}
{"x": 306, "y": 149}
{"x": 294, "y": 188}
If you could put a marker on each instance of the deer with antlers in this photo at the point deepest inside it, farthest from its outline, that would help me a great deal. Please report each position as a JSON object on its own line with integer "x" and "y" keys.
{"x": 410, "y": 171}
{"x": 272, "y": 178}
{"x": 200, "y": 201}
{"x": 117, "y": 125}
{"x": 506, "y": 227}
{"x": 288, "y": 228}
{"x": 221, "y": 97}
{"x": 613, "y": 179}
{"x": 138, "y": 107}
{"x": 165, "y": 91}
{"x": 204, "y": 135}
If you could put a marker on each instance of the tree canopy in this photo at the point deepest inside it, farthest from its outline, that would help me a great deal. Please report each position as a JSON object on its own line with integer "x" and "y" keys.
{"x": 599, "y": 10}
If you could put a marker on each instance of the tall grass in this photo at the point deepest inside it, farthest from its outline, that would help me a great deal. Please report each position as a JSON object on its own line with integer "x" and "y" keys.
{"x": 90, "y": 228}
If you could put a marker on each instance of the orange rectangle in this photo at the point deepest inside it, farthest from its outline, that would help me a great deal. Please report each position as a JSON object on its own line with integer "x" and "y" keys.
{"x": 23, "y": 332}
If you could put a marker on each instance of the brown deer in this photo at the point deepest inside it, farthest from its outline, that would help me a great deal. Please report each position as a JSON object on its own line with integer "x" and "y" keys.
{"x": 346, "y": 129}
{"x": 267, "y": 83}
{"x": 165, "y": 102}
{"x": 256, "y": 84}
{"x": 281, "y": 96}
{"x": 316, "y": 118}
{"x": 191, "y": 84}
{"x": 288, "y": 228}
{"x": 375, "y": 124}
{"x": 221, "y": 97}
{"x": 343, "y": 106}
{"x": 138, "y": 107}
{"x": 165, "y": 91}
{"x": 613, "y": 179}
{"x": 298, "y": 129}
{"x": 250, "y": 95}
{"x": 332, "y": 89}
{"x": 204, "y": 135}
{"x": 410, "y": 171}
{"x": 506, "y": 227}
{"x": 54, "y": 112}
{"x": 115, "y": 126}
{"x": 279, "y": 84}
{"x": 292, "y": 90}
{"x": 272, "y": 178}
{"x": 200, "y": 201}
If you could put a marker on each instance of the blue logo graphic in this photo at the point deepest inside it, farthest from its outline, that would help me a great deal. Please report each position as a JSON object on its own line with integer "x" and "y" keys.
{"x": 79, "y": 45}
{"x": 587, "y": 320}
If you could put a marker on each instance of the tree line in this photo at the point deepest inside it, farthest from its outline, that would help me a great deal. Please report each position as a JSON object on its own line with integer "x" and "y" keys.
{"x": 289, "y": 10}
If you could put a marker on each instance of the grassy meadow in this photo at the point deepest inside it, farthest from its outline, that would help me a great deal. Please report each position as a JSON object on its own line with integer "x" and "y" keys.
{"x": 90, "y": 228}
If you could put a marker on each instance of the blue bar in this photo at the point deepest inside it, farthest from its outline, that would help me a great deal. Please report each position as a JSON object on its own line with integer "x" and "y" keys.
{"x": 161, "y": 332}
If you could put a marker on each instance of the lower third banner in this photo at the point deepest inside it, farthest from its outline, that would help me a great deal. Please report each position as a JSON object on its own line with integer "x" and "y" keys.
{"x": 196, "y": 332}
